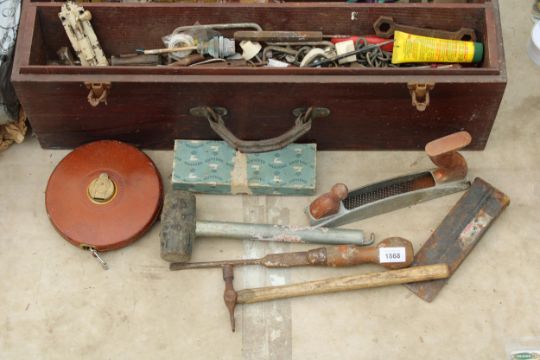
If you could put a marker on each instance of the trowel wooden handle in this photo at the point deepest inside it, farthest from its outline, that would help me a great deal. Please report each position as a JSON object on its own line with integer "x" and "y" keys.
{"x": 328, "y": 204}
{"x": 444, "y": 153}
{"x": 345, "y": 283}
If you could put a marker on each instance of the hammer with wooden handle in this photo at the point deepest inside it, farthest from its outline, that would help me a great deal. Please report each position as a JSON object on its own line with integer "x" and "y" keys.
{"x": 344, "y": 283}
{"x": 392, "y": 253}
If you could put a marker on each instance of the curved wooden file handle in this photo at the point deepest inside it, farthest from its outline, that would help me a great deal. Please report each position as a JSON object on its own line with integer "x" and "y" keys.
{"x": 328, "y": 204}
{"x": 444, "y": 153}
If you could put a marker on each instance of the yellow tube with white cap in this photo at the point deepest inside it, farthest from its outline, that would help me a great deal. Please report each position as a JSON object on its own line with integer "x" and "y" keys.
{"x": 410, "y": 48}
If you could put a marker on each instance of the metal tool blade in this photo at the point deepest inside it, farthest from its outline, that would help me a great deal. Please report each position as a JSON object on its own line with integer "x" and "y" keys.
{"x": 389, "y": 195}
{"x": 212, "y": 264}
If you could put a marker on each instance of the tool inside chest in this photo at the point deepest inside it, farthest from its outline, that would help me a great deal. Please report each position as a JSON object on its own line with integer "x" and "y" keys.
{"x": 120, "y": 29}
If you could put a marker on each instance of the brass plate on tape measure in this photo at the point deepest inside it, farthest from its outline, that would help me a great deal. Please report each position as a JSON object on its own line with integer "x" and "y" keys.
{"x": 104, "y": 195}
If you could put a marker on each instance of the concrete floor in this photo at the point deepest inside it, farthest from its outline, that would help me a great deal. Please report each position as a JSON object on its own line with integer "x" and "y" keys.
{"x": 58, "y": 304}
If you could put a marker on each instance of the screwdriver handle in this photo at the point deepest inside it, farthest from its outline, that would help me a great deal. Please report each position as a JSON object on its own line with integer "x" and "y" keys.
{"x": 332, "y": 256}
{"x": 285, "y": 260}
{"x": 339, "y": 256}
{"x": 392, "y": 253}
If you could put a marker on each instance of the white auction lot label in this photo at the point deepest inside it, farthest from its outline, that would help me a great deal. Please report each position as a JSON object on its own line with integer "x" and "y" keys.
{"x": 391, "y": 254}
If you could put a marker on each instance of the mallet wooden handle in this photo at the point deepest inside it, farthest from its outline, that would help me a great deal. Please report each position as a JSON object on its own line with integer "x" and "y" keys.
{"x": 344, "y": 283}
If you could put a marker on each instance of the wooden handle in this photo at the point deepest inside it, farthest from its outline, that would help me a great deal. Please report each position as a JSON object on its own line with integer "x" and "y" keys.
{"x": 328, "y": 204}
{"x": 443, "y": 152}
{"x": 395, "y": 253}
{"x": 345, "y": 283}
{"x": 392, "y": 253}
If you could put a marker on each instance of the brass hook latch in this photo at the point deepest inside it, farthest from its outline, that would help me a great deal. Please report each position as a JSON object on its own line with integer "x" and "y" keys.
{"x": 420, "y": 95}
{"x": 98, "y": 92}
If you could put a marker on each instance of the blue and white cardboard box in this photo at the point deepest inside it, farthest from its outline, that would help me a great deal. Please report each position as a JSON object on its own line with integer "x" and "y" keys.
{"x": 213, "y": 167}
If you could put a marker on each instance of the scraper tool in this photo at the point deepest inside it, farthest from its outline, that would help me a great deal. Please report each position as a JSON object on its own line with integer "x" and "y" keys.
{"x": 340, "y": 206}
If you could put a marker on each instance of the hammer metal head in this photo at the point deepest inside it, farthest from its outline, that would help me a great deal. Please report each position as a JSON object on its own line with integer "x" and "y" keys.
{"x": 177, "y": 226}
{"x": 230, "y": 296}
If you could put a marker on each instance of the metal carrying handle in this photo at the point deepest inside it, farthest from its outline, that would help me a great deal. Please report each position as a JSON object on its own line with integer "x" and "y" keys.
{"x": 301, "y": 126}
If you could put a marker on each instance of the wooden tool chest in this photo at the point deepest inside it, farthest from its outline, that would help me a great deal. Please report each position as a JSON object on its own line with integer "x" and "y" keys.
{"x": 150, "y": 107}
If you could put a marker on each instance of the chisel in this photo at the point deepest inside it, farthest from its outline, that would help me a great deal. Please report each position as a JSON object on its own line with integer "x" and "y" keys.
{"x": 392, "y": 253}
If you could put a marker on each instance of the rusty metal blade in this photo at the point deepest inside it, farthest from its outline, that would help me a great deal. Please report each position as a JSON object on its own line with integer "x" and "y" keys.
{"x": 458, "y": 233}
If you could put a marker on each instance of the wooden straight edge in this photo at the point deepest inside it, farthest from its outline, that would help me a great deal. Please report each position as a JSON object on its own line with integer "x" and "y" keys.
{"x": 260, "y": 323}
{"x": 345, "y": 283}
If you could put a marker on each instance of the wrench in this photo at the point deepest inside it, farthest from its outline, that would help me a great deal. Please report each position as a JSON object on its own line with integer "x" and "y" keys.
{"x": 385, "y": 26}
